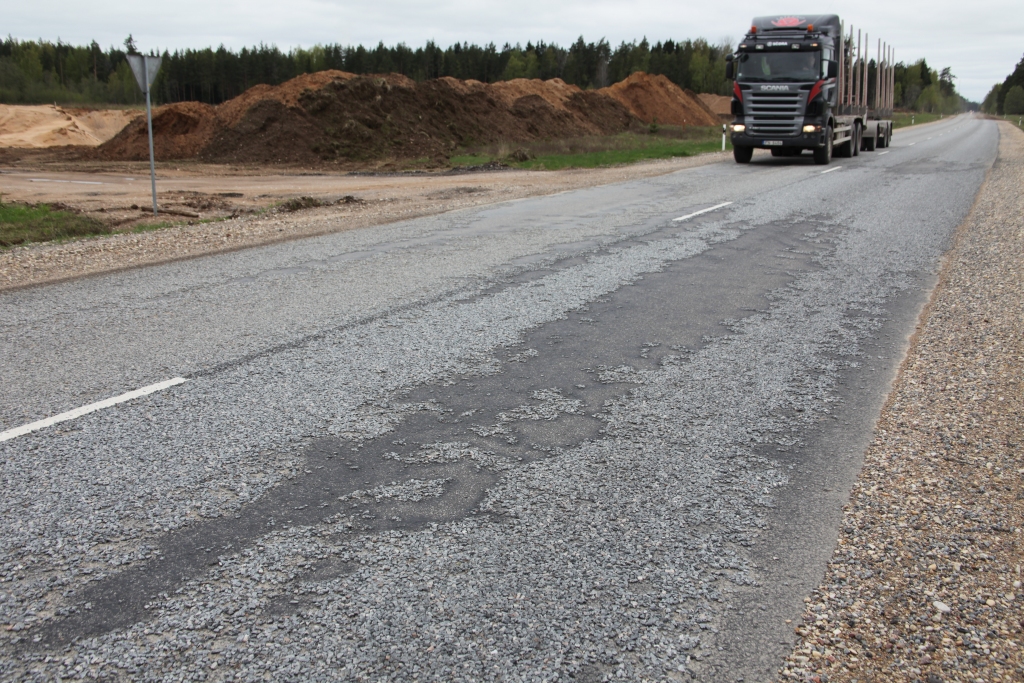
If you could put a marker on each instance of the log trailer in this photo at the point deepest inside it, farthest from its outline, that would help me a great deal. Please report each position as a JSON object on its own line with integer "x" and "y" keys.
{"x": 802, "y": 82}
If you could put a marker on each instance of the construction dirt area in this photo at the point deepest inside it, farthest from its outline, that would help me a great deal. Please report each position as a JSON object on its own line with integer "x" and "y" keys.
{"x": 323, "y": 152}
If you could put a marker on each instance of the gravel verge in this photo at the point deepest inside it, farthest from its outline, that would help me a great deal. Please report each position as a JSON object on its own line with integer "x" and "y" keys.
{"x": 45, "y": 263}
{"x": 925, "y": 582}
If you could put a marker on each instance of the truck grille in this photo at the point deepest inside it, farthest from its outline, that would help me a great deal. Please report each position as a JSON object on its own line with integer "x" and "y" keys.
{"x": 774, "y": 114}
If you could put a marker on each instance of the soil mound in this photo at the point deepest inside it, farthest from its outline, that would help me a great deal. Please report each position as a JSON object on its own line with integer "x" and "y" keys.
{"x": 24, "y": 126}
{"x": 180, "y": 131}
{"x": 720, "y": 104}
{"x": 334, "y": 116}
{"x": 657, "y": 99}
{"x": 337, "y": 117}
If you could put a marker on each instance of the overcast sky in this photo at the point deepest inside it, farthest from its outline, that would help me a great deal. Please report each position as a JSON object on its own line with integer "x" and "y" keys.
{"x": 981, "y": 40}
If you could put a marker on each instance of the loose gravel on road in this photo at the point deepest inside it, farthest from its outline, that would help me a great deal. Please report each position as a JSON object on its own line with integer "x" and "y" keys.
{"x": 925, "y": 584}
{"x": 487, "y": 552}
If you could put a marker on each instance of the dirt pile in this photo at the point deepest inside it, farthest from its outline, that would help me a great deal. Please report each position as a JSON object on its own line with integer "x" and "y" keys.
{"x": 24, "y": 126}
{"x": 337, "y": 117}
{"x": 721, "y": 105}
{"x": 656, "y": 99}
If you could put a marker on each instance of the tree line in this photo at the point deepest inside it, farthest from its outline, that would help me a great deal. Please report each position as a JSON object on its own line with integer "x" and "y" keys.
{"x": 920, "y": 88}
{"x": 41, "y": 71}
{"x": 33, "y": 72}
{"x": 1007, "y": 97}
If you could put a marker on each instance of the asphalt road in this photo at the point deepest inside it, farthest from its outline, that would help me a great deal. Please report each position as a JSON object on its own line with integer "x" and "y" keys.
{"x": 564, "y": 438}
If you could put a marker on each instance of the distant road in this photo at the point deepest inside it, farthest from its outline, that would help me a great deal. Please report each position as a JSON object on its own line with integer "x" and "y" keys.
{"x": 604, "y": 433}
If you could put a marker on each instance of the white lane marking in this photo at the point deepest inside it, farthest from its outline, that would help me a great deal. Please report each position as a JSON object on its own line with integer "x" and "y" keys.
{"x": 911, "y": 144}
{"x": 881, "y": 153}
{"x": 76, "y": 182}
{"x": 834, "y": 168}
{"x": 91, "y": 408}
{"x": 697, "y": 213}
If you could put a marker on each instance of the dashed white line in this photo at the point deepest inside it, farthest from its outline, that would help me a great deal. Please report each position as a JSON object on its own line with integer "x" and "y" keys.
{"x": 834, "y": 168}
{"x": 91, "y": 408}
{"x": 75, "y": 182}
{"x": 697, "y": 213}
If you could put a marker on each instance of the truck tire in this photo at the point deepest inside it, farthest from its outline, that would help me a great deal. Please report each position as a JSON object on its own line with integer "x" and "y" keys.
{"x": 856, "y": 143}
{"x": 742, "y": 155}
{"x": 823, "y": 154}
{"x": 869, "y": 142}
{"x": 845, "y": 150}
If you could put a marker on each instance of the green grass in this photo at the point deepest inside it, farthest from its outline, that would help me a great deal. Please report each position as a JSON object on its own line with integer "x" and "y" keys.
{"x": 24, "y": 223}
{"x": 902, "y": 119}
{"x": 1015, "y": 119}
{"x": 598, "y": 151}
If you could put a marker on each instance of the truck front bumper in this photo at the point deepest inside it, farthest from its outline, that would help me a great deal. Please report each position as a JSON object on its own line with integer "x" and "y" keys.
{"x": 802, "y": 141}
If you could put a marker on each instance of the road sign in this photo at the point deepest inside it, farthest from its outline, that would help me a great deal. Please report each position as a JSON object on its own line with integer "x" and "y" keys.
{"x": 145, "y": 68}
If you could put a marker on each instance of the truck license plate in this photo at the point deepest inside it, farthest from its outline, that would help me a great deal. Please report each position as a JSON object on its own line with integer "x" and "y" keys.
{"x": 772, "y": 143}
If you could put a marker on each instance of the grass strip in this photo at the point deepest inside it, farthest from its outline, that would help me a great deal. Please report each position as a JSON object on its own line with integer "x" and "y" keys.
{"x": 598, "y": 151}
{"x": 25, "y": 223}
{"x": 903, "y": 119}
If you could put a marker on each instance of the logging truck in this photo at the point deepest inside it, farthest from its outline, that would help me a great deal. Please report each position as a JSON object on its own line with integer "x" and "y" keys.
{"x": 803, "y": 82}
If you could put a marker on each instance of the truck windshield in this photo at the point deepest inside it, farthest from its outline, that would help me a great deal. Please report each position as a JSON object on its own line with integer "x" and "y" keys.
{"x": 779, "y": 66}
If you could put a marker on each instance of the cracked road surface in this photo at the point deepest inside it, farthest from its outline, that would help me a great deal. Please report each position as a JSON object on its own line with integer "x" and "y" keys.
{"x": 558, "y": 438}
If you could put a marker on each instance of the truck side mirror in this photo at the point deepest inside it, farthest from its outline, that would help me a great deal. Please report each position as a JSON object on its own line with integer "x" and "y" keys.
{"x": 730, "y": 69}
{"x": 833, "y": 68}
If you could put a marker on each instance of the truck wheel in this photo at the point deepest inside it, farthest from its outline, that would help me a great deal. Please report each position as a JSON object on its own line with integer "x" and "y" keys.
{"x": 742, "y": 155}
{"x": 823, "y": 154}
{"x": 858, "y": 134}
{"x": 846, "y": 149}
{"x": 869, "y": 142}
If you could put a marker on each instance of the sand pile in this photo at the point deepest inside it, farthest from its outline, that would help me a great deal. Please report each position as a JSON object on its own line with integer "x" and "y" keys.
{"x": 338, "y": 117}
{"x": 657, "y": 99}
{"x": 49, "y": 126}
{"x": 719, "y": 104}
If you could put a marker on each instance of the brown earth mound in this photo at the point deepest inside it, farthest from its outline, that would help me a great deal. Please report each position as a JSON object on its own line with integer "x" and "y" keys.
{"x": 719, "y": 104}
{"x": 338, "y": 117}
{"x": 655, "y": 99}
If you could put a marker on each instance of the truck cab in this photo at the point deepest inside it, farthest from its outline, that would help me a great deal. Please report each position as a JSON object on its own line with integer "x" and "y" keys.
{"x": 787, "y": 90}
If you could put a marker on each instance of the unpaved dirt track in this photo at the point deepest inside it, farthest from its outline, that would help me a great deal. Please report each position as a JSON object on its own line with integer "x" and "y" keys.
{"x": 563, "y": 437}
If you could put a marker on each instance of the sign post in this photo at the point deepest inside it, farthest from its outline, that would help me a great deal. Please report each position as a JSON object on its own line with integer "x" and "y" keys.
{"x": 145, "y": 70}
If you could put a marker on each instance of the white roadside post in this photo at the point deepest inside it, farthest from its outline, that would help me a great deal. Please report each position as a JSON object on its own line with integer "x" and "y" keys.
{"x": 145, "y": 69}
{"x": 723, "y": 137}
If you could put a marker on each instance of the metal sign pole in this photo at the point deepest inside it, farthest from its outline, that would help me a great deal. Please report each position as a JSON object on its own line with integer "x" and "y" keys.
{"x": 149, "y": 125}
{"x": 145, "y": 69}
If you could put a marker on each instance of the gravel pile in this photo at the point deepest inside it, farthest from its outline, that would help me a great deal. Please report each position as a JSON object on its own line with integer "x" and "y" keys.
{"x": 925, "y": 584}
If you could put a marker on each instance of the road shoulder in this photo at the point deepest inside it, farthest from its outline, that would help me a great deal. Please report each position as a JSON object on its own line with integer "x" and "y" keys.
{"x": 401, "y": 198}
{"x": 925, "y": 581}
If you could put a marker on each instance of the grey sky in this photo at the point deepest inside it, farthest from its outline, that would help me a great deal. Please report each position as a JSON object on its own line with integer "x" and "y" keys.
{"x": 981, "y": 41}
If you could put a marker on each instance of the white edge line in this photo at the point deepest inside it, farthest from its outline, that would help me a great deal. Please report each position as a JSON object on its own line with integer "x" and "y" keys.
{"x": 881, "y": 153}
{"x": 834, "y": 168}
{"x": 91, "y": 408}
{"x": 697, "y": 213}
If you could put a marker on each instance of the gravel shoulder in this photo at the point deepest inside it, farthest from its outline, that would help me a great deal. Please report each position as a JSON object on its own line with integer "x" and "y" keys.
{"x": 371, "y": 200}
{"x": 925, "y": 581}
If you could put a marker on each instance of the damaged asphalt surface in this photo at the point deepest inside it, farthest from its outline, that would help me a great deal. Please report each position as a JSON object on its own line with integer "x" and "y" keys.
{"x": 564, "y": 438}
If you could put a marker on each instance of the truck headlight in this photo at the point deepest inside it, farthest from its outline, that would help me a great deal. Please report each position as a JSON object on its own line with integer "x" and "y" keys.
{"x": 812, "y": 129}
{"x": 738, "y": 128}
